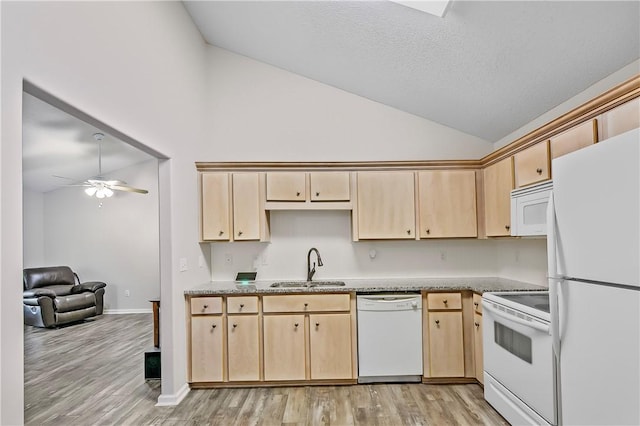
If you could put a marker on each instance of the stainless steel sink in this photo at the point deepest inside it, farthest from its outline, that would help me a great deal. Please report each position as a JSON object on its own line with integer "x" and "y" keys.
{"x": 307, "y": 284}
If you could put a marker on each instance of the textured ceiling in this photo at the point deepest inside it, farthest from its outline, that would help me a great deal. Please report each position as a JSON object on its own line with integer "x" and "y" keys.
{"x": 486, "y": 68}
{"x": 55, "y": 143}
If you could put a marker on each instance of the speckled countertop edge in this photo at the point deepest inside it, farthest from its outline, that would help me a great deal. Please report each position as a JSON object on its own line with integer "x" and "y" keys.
{"x": 367, "y": 285}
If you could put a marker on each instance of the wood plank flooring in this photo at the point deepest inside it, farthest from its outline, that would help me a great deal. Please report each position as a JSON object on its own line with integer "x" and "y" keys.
{"x": 93, "y": 374}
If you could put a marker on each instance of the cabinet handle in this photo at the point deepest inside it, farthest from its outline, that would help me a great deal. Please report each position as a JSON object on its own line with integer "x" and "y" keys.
{"x": 220, "y": 233}
{"x": 539, "y": 171}
{"x": 213, "y": 326}
{"x": 507, "y": 227}
{"x": 239, "y": 233}
{"x": 477, "y": 325}
{"x": 437, "y": 322}
{"x": 235, "y": 325}
{"x": 428, "y": 231}
{"x": 298, "y": 194}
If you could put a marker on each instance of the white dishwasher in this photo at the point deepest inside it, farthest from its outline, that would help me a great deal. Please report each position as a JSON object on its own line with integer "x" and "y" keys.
{"x": 389, "y": 337}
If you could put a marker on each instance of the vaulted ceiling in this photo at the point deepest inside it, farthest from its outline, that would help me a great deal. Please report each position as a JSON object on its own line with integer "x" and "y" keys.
{"x": 486, "y": 68}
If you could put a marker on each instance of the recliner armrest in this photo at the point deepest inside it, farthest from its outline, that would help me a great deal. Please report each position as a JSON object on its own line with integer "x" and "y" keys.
{"x": 92, "y": 286}
{"x": 37, "y": 292}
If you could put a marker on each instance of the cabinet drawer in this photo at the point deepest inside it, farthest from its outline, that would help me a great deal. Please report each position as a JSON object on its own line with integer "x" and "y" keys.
{"x": 242, "y": 305}
{"x": 306, "y": 303}
{"x": 206, "y": 305}
{"x": 444, "y": 301}
{"x": 477, "y": 303}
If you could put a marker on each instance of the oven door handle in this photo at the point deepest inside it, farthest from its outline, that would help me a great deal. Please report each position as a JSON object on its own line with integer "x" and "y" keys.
{"x": 531, "y": 324}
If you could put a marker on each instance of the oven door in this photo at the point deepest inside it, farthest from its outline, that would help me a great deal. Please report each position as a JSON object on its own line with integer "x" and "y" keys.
{"x": 518, "y": 355}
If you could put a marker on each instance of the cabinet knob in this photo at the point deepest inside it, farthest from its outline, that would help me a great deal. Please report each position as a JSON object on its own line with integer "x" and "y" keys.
{"x": 242, "y": 306}
{"x": 204, "y": 307}
{"x": 213, "y": 326}
{"x": 428, "y": 231}
{"x": 445, "y": 301}
{"x": 239, "y": 233}
{"x": 408, "y": 231}
{"x": 317, "y": 194}
{"x": 235, "y": 325}
{"x": 220, "y": 233}
{"x": 298, "y": 194}
{"x": 317, "y": 324}
{"x": 296, "y": 325}
{"x": 437, "y": 322}
{"x": 539, "y": 171}
{"x": 507, "y": 227}
{"x": 306, "y": 305}
{"x": 476, "y": 324}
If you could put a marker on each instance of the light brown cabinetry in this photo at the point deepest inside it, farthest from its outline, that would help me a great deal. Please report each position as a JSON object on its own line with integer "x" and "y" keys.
{"x": 477, "y": 338}
{"x": 498, "y": 183}
{"x": 445, "y": 343}
{"x": 447, "y": 203}
{"x": 386, "y": 205}
{"x": 532, "y": 165}
{"x": 231, "y": 207}
{"x": 206, "y": 336}
{"x": 300, "y": 324}
{"x": 621, "y": 119}
{"x": 330, "y": 186}
{"x": 577, "y": 137}
{"x": 286, "y": 186}
{"x": 243, "y": 338}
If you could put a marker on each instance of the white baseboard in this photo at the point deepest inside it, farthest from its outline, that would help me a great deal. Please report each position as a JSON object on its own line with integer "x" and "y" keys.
{"x": 126, "y": 311}
{"x": 174, "y": 399}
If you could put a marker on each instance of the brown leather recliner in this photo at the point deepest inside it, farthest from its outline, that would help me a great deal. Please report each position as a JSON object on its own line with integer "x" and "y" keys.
{"x": 54, "y": 295}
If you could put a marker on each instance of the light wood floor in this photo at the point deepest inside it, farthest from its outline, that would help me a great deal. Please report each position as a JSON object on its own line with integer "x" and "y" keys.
{"x": 93, "y": 374}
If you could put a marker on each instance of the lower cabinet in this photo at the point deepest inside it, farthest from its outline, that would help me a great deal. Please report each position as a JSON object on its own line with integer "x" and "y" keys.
{"x": 330, "y": 346}
{"x": 243, "y": 347}
{"x": 446, "y": 349}
{"x": 284, "y": 347}
{"x": 207, "y": 348}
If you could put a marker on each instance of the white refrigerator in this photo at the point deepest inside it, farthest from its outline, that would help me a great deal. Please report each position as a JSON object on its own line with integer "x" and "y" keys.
{"x": 593, "y": 221}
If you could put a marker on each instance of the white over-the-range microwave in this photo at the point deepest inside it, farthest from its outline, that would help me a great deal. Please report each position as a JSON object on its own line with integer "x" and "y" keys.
{"x": 529, "y": 209}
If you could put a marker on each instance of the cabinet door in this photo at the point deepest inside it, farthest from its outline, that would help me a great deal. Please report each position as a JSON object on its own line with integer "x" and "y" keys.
{"x": 286, "y": 186}
{"x": 577, "y": 137}
{"x": 386, "y": 205}
{"x": 447, "y": 203}
{"x": 215, "y": 207}
{"x": 532, "y": 165}
{"x": 330, "y": 186}
{"x": 477, "y": 336}
{"x": 246, "y": 206}
{"x": 446, "y": 347}
{"x": 284, "y": 347}
{"x": 206, "y": 348}
{"x": 243, "y": 346}
{"x": 622, "y": 118}
{"x": 498, "y": 183}
{"x": 330, "y": 346}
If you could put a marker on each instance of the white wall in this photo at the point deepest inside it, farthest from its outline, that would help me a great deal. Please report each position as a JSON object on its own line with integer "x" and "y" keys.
{"x": 33, "y": 228}
{"x": 114, "y": 240}
{"x": 139, "y": 67}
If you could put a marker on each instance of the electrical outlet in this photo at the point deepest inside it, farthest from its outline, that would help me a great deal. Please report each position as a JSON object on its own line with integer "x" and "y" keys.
{"x": 228, "y": 258}
{"x": 183, "y": 264}
{"x": 127, "y": 293}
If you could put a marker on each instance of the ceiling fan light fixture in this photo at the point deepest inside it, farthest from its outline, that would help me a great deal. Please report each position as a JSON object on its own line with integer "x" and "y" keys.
{"x": 90, "y": 191}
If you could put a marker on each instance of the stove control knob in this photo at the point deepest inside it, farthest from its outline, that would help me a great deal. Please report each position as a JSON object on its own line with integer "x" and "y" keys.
{"x": 414, "y": 304}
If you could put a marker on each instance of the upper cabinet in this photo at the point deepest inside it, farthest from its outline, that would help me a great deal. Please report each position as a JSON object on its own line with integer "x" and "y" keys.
{"x": 231, "y": 207}
{"x": 447, "y": 203}
{"x": 498, "y": 183}
{"x": 532, "y": 165}
{"x": 577, "y": 137}
{"x": 386, "y": 206}
{"x": 215, "y": 207}
{"x": 286, "y": 186}
{"x": 330, "y": 186}
{"x": 621, "y": 119}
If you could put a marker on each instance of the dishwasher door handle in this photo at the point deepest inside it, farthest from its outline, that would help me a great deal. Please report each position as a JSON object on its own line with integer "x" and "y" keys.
{"x": 389, "y": 299}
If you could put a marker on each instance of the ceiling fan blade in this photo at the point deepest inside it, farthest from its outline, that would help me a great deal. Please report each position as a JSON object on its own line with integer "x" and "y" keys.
{"x": 128, "y": 188}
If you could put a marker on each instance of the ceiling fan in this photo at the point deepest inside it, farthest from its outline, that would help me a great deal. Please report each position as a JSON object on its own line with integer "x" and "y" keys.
{"x": 101, "y": 187}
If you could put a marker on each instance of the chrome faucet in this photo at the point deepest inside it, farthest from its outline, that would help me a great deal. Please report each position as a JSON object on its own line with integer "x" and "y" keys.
{"x": 310, "y": 270}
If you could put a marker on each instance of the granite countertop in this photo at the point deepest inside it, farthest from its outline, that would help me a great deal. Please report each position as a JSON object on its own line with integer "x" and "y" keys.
{"x": 369, "y": 285}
